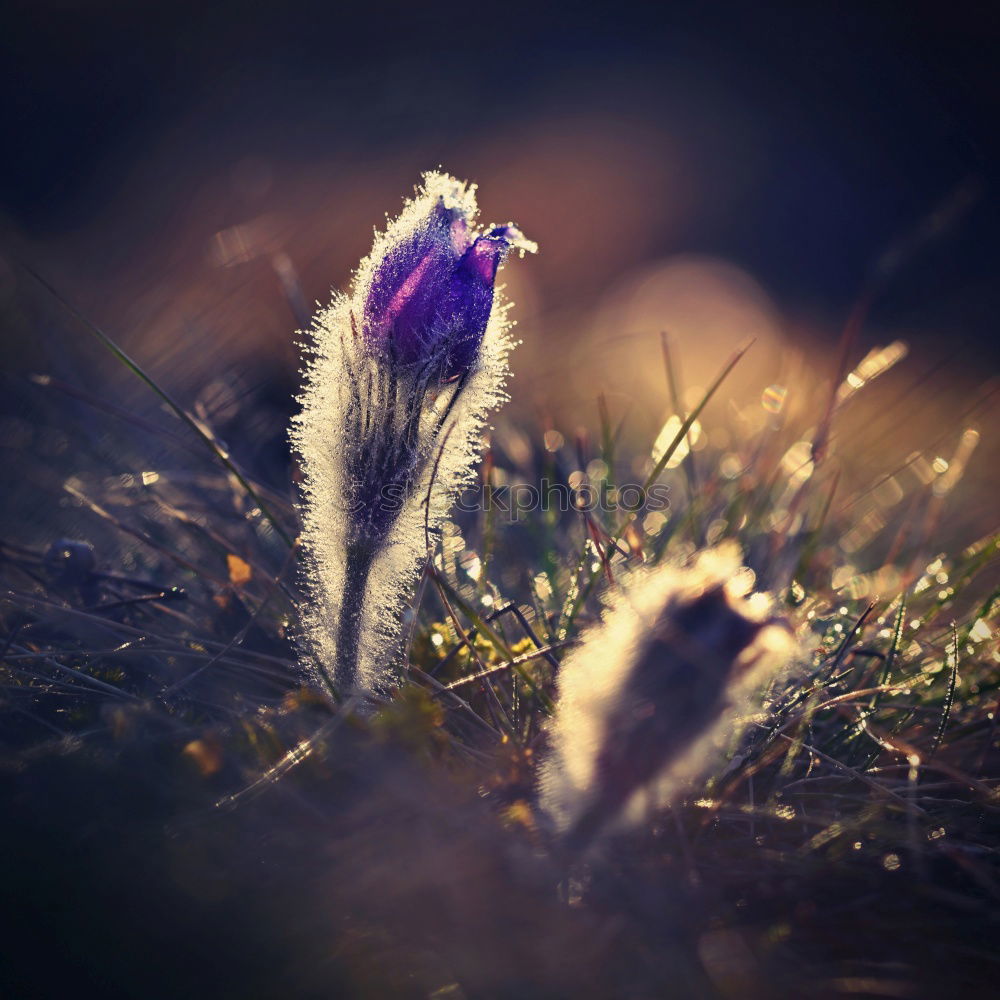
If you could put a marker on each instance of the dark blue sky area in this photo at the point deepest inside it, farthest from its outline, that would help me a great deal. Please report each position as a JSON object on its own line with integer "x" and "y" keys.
{"x": 866, "y": 116}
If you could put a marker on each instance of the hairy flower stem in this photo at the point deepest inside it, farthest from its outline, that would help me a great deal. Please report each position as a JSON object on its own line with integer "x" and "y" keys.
{"x": 360, "y": 556}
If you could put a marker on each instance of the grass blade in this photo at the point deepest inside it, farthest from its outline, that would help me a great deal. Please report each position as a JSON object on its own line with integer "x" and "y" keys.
{"x": 949, "y": 698}
{"x": 195, "y": 425}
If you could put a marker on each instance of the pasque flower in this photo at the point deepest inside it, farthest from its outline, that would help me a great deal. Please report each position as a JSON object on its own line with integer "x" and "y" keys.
{"x": 652, "y": 689}
{"x": 404, "y": 371}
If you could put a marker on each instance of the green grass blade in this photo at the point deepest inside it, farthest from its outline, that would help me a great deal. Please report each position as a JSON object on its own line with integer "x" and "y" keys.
{"x": 195, "y": 425}
{"x": 495, "y": 639}
{"x": 949, "y": 698}
{"x": 689, "y": 420}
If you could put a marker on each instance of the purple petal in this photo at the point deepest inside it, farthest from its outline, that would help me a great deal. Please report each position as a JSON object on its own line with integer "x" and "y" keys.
{"x": 431, "y": 247}
{"x": 432, "y": 293}
{"x": 483, "y": 258}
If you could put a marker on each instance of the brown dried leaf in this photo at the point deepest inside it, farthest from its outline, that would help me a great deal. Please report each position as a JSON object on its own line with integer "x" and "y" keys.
{"x": 240, "y": 571}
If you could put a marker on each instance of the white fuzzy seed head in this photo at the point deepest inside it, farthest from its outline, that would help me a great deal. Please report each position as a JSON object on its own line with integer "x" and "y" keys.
{"x": 654, "y": 689}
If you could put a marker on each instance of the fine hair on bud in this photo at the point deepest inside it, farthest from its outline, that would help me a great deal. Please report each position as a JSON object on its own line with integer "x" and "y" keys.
{"x": 402, "y": 373}
{"x": 648, "y": 699}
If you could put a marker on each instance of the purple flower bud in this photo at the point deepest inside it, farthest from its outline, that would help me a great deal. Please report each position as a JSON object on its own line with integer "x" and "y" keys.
{"x": 384, "y": 448}
{"x": 430, "y": 296}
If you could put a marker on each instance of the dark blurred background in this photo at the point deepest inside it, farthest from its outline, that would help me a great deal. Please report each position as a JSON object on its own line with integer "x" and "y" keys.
{"x": 190, "y": 175}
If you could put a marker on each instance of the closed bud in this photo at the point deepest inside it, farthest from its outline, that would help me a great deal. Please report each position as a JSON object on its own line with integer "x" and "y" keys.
{"x": 427, "y": 302}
